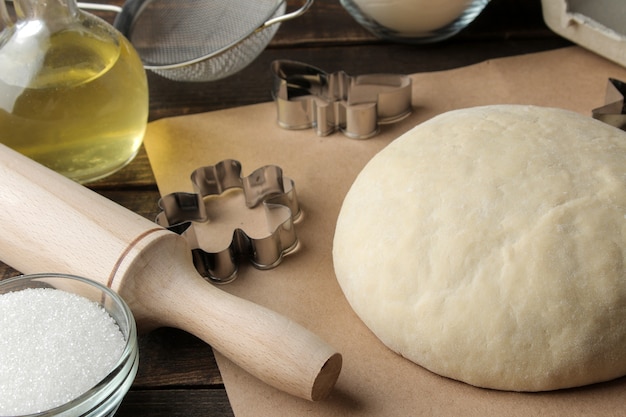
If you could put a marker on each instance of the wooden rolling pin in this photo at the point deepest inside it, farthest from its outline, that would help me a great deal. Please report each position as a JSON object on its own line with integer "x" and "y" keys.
{"x": 49, "y": 223}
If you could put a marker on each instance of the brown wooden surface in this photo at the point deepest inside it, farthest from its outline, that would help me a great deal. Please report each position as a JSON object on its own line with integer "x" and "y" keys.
{"x": 178, "y": 375}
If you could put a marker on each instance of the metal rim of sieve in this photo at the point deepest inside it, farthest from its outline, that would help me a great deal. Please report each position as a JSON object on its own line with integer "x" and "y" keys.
{"x": 168, "y": 52}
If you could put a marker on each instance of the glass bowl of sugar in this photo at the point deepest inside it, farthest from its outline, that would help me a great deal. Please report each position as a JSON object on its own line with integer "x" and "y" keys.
{"x": 68, "y": 347}
{"x": 414, "y": 21}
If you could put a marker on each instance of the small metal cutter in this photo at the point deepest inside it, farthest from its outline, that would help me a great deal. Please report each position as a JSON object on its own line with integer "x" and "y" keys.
{"x": 614, "y": 110}
{"x": 308, "y": 97}
{"x": 189, "y": 214}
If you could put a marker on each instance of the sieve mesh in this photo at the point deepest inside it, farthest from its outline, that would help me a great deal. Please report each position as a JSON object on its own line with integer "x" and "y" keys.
{"x": 169, "y": 33}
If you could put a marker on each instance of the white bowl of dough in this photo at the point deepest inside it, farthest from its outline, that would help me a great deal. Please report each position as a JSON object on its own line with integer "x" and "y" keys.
{"x": 414, "y": 21}
{"x": 494, "y": 248}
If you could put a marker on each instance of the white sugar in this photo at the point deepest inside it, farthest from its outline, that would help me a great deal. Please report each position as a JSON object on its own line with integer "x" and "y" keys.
{"x": 54, "y": 346}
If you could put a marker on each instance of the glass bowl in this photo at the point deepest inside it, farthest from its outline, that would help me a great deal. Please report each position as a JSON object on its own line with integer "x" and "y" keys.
{"x": 103, "y": 399}
{"x": 414, "y": 21}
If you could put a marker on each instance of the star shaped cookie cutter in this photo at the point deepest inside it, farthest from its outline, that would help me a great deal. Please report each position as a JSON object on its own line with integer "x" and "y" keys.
{"x": 308, "y": 97}
{"x": 613, "y": 112}
{"x": 230, "y": 217}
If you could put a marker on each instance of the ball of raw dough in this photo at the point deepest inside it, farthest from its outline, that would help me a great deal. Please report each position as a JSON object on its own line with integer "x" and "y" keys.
{"x": 488, "y": 245}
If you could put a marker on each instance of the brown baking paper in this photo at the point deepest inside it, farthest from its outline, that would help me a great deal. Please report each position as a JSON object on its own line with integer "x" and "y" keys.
{"x": 374, "y": 381}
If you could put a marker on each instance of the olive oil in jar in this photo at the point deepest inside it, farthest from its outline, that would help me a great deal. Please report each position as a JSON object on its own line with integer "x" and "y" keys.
{"x": 82, "y": 109}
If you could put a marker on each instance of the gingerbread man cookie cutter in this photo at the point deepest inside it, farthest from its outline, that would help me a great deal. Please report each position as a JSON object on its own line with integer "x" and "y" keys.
{"x": 308, "y": 97}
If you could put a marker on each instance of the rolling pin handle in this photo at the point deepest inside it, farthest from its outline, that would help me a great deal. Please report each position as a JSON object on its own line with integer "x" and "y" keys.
{"x": 268, "y": 345}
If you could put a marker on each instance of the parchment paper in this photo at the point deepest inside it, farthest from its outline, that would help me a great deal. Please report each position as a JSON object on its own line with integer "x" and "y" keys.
{"x": 374, "y": 381}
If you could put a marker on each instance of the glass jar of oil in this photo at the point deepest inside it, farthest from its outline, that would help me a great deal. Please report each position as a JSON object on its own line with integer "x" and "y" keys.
{"x": 73, "y": 91}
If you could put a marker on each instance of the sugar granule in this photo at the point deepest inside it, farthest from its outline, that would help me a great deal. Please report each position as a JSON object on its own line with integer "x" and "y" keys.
{"x": 54, "y": 346}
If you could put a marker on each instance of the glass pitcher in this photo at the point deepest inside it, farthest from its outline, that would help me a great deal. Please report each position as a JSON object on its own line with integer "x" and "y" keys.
{"x": 73, "y": 91}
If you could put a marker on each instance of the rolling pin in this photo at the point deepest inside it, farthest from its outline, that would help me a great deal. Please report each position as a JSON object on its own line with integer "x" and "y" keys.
{"x": 49, "y": 223}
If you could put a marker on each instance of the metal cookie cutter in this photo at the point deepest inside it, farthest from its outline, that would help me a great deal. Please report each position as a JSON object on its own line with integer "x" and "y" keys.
{"x": 614, "y": 110}
{"x": 230, "y": 217}
{"x": 308, "y": 97}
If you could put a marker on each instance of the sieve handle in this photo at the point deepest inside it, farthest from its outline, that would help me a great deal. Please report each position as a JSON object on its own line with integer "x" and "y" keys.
{"x": 288, "y": 16}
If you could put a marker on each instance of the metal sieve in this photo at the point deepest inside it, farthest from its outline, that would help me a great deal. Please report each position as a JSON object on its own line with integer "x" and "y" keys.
{"x": 199, "y": 40}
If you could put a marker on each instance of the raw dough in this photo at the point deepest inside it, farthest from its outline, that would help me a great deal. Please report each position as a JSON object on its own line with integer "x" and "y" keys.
{"x": 488, "y": 245}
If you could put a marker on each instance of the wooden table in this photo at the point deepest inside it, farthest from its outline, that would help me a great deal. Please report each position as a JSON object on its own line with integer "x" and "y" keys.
{"x": 178, "y": 375}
